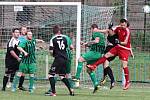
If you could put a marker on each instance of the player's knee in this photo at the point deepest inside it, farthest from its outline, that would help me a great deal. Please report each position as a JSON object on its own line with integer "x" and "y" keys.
{"x": 88, "y": 70}
{"x": 51, "y": 75}
{"x": 7, "y": 75}
{"x": 124, "y": 64}
{"x": 19, "y": 74}
{"x": 62, "y": 77}
{"x": 107, "y": 55}
{"x": 31, "y": 75}
{"x": 68, "y": 75}
{"x": 81, "y": 59}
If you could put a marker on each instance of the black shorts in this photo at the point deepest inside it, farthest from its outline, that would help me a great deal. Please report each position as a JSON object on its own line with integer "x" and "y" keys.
{"x": 108, "y": 48}
{"x": 11, "y": 66}
{"x": 58, "y": 66}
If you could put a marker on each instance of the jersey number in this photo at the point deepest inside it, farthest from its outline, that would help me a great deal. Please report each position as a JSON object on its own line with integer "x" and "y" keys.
{"x": 61, "y": 45}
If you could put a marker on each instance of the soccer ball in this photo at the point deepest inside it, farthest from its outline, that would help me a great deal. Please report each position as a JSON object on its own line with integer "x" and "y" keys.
{"x": 146, "y": 9}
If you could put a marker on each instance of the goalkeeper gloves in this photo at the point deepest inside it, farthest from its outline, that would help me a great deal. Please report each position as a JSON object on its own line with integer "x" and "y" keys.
{"x": 117, "y": 41}
{"x": 110, "y": 25}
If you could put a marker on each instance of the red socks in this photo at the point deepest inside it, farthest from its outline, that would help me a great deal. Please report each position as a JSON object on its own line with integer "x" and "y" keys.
{"x": 126, "y": 73}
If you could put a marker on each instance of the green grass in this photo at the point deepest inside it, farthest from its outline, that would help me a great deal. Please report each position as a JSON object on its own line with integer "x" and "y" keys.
{"x": 80, "y": 94}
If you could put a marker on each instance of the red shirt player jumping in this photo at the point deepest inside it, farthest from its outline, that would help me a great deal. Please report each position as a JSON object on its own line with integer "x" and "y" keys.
{"x": 123, "y": 50}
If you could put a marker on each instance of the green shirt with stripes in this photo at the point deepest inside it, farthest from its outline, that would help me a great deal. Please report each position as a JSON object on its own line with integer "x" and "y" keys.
{"x": 98, "y": 47}
{"x": 29, "y": 47}
{"x": 69, "y": 52}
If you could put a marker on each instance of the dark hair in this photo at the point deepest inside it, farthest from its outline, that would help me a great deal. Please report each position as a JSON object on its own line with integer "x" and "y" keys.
{"x": 123, "y": 20}
{"x": 94, "y": 26}
{"x": 13, "y": 30}
{"x": 22, "y": 27}
{"x": 56, "y": 29}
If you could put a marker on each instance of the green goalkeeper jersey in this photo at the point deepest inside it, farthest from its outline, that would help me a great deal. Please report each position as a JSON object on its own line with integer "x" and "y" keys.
{"x": 69, "y": 52}
{"x": 98, "y": 47}
{"x": 29, "y": 47}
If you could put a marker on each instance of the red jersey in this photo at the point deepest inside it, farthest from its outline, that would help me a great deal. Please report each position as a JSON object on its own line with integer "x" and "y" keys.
{"x": 123, "y": 35}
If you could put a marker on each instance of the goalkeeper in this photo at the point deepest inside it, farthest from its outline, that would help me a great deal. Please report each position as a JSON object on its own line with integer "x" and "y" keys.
{"x": 96, "y": 46}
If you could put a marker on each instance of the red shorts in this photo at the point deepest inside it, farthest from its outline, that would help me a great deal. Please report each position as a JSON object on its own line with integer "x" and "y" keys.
{"x": 121, "y": 52}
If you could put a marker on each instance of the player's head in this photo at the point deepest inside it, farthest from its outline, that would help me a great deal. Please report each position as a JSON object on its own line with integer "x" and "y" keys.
{"x": 94, "y": 26}
{"x": 15, "y": 32}
{"x": 57, "y": 29}
{"x": 23, "y": 30}
{"x": 29, "y": 35}
{"x": 123, "y": 23}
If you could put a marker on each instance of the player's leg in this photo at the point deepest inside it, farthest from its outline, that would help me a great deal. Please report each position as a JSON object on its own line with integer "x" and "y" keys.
{"x": 91, "y": 58}
{"x": 5, "y": 80}
{"x": 62, "y": 71}
{"x": 12, "y": 75}
{"x": 32, "y": 70}
{"x": 123, "y": 56}
{"x": 126, "y": 74}
{"x": 108, "y": 71}
{"x": 51, "y": 77}
{"x": 68, "y": 71}
{"x": 101, "y": 60}
{"x": 52, "y": 85}
{"x": 16, "y": 80}
{"x": 67, "y": 83}
{"x": 21, "y": 81}
{"x": 93, "y": 79}
{"x": 22, "y": 70}
{"x": 8, "y": 71}
{"x": 79, "y": 67}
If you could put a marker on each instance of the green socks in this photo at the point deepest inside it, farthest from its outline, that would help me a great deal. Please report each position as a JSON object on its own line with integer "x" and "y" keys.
{"x": 79, "y": 69}
{"x": 31, "y": 82}
{"x": 93, "y": 78}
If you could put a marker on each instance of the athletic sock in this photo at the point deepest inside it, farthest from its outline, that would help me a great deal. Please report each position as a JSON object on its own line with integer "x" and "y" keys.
{"x": 105, "y": 72}
{"x": 100, "y": 61}
{"x": 79, "y": 69}
{"x": 66, "y": 82}
{"x": 71, "y": 82}
{"x": 126, "y": 73}
{"x": 110, "y": 74}
{"x": 21, "y": 81}
{"x": 93, "y": 78}
{"x": 52, "y": 84}
{"x": 15, "y": 82}
{"x": 31, "y": 82}
{"x": 12, "y": 77}
{"x": 5, "y": 80}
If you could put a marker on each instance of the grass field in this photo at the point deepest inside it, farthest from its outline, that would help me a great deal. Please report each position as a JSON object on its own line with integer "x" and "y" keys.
{"x": 80, "y": 94}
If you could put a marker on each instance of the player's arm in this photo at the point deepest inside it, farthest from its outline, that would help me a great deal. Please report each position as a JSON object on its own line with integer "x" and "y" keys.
{"x": 39, "y": 41}
{"x": 71, "y": 47}
{"x": 15, "y": 55}
{"x": 51, "y": 47}
{"x": 23, "y": 51}
{"x": 21, "y": 46}
{"x": 97, "y": 39}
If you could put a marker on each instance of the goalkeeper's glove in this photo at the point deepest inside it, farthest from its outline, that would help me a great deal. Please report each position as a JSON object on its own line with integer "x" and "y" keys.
{"x": 117, "y": 41}
{"x": 110, "y": 25}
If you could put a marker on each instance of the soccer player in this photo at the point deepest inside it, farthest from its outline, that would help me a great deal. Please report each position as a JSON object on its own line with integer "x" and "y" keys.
{"x": 58, "y": 46}
{"x": 69, "y": 50}
{"x": 28, "y": 62}
{"x": 110, "y": 44}
{"x": 122, "y": 49}
{"x": 96, "y": 46}
{"x": 12, "y": 58}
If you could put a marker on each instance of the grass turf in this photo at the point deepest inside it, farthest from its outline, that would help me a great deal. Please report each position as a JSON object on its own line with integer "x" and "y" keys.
{"x": 80, "y": 94}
